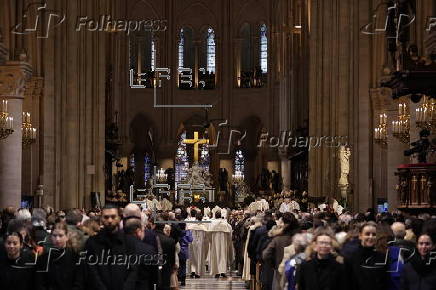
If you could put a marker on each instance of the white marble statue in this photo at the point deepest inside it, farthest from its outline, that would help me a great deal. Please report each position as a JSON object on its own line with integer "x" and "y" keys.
{"x": 198, "y": 176}
{"x": 344, "y": 159}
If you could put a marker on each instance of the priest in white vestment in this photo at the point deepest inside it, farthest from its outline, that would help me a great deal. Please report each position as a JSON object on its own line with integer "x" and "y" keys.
{"x": 221, "y": 246}
{"x": 215, "y": 209}
{"x": 166, "y": 205}
{"x": 152, "y": 203}
{"x": 198, "y": 249}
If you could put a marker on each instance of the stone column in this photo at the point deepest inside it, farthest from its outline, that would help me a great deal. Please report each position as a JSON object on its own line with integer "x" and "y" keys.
{"x": 339, "y": 103}
{"x": 285, "y": 169}
{"x": 12, "y": 79}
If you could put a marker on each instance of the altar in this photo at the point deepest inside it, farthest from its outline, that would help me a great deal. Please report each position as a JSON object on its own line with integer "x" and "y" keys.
{"x": 194, "y": 193}
{"x": 416, "y": 186}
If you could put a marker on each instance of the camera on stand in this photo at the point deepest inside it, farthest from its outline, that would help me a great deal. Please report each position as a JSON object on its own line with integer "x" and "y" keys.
{"x": 420, "y": 147}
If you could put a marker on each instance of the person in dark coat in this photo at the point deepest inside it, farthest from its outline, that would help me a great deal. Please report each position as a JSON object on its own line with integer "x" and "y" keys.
{"x": 185, "y": 240}
{"x": 419, "y": 273}
{"x": 16, "y": 267}
{"x": 281, "y": 238}
{"x": 323, "y": 269}
{"x": 167, "y": 248}
{"x": 366, "y": 268}
{"x": 266, "y": 270}
{"x": 102, "y": 252}
{"x": 144, "y": 265}
{"x": 57, "y": 268}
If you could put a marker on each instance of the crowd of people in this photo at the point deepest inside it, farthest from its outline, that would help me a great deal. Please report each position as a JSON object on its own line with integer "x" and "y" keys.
{"x": 268, "y": 246}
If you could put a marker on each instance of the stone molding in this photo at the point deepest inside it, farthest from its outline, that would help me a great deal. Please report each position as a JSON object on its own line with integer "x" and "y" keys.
{"x": 13, "y": 77}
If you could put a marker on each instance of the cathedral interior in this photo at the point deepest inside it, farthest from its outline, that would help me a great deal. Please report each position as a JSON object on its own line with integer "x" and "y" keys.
{"x": 317, "y": 96}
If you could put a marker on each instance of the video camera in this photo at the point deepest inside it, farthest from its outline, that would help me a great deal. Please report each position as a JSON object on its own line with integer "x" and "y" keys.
{"x": 420, "y": 147}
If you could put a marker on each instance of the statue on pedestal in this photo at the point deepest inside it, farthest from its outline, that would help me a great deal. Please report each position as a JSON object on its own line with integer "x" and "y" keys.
{"x": 344, "y": 159}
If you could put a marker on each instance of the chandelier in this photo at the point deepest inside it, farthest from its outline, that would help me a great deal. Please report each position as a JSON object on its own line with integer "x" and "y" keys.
{"x": 161, "y": 176}
{"x": 29, "y": 133}
{"x": 401, "y": 127}
{"x": 380, "y": 132}
{"x": 238, "y": 177}
{"x": 426, "y": 115}
{"x": 6, "y": 121}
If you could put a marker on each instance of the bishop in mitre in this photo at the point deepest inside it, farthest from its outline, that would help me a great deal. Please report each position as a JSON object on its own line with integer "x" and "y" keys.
{"x": 221, "y": 246}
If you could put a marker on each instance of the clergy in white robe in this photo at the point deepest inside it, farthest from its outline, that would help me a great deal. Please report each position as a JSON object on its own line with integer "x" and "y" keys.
{"x": 221, "y": 246}
{"x": 215, "y": 209}
{"x": 166, "y": 205}
{"x": 285, "y": 206}
{"x": 198, "y": 249}
{"x": 152, "y": 203}
{"x": 206, "y": 211}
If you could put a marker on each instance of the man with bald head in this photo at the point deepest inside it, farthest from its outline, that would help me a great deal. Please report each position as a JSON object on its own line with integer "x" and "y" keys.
{"x": 131, "y": 211}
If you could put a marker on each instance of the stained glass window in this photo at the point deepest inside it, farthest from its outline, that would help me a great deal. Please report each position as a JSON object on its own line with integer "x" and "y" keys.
{"x": 148, "y": 170}
{"x": 182, "y": 163}
{"x": 210, "y": 50}
{"x": 239, "y": 162}
{"x": 204, "y": 157}
{"x": 263, "y": 48}
{"x": 181, "y": 48}
{"x": 132, "y": 161}
{"x": 153, "y": 56}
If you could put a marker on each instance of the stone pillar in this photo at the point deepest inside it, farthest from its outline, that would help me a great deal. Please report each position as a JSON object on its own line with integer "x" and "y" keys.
{"x": 13, "y": 75}
{"x": 339, "y": 103}
{"x": 285, "y": 169}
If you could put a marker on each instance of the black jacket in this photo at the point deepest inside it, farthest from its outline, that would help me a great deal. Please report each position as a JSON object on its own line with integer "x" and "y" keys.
{"x": 316, "y": 274}
{"x": 102, "y": 250}
{"x": 58, "y": 269}
{"x": 169, "y": 255}
{"x": 17, "y": 274}
{"x": 419, "y": 274}
{"x": 144, "y": 268}
{"x": 366, "y": 270}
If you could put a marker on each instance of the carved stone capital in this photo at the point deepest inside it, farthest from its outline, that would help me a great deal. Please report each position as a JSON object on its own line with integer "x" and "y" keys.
{"x": 381, "y": 99}
{"x": 34, "y": 87}
{"x": 13, "y": 77}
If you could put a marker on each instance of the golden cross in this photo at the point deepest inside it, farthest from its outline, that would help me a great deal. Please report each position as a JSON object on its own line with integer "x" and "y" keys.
{"x": 196, "y": 142}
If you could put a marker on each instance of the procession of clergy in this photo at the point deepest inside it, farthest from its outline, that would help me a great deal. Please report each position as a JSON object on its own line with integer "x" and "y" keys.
{"x": 215, "y": 245}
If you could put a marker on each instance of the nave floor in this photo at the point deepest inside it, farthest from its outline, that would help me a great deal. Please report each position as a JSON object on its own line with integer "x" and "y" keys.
{"x": 211, "y": 283}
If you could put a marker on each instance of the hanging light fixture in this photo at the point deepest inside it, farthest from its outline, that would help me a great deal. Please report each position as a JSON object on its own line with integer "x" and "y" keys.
{"x": 6, "y": 121}
{"x": 161, "y": 176}
{"x": 29, "y": 133}
{"x": 238, "y": 177}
